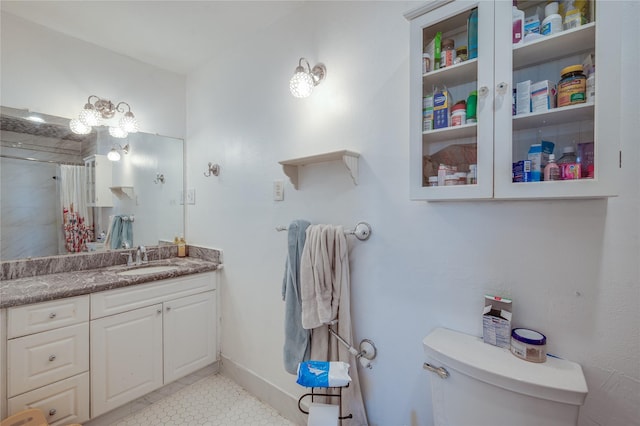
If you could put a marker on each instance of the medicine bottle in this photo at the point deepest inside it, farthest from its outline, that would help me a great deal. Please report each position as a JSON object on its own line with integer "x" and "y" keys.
{"x": 447, "y": 53}
{"x": 433, "y": 180}
{"x": 572, "y": 86}
{"x": 552, "y": 170}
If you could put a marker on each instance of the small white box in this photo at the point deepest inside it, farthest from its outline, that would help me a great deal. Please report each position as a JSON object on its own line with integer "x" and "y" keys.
{"x": 543, "y": 95}
{"x": 496, "y": 321}
{"x": 523, "y": 97}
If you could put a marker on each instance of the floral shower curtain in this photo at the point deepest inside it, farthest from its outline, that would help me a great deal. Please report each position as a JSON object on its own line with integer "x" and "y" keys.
{"x": 77, "y": 223}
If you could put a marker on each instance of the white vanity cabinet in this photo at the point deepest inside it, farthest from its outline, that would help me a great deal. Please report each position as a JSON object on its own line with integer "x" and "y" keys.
{"x": 47, "y": 356}
{"x": 499, "y": 138}
{"x": 148, "y": 335}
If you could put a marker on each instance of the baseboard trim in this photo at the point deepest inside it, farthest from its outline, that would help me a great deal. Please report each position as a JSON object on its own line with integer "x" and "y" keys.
{"x": 284, "y": 403}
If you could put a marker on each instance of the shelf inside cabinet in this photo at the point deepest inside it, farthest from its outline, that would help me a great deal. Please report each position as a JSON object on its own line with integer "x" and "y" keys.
{"x": 450, "y": 133}
{"x": 451, "y": 76}
{"x": 563, "y": 44}
{"x": 119, "y": 191}
{"x": 349, "y": 158}
{"x": 554, "y": 116}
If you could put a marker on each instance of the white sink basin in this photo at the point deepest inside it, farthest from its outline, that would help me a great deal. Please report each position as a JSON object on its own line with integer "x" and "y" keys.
{"x": 145, "y": 270}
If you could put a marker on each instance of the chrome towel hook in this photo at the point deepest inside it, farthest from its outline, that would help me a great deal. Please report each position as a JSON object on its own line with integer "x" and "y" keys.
{"x": 214, "y": 169}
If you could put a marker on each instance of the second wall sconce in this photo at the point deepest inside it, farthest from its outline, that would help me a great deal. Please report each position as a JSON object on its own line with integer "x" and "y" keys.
{"x": 114, "y": 155}
{"x": 304, "y": 80}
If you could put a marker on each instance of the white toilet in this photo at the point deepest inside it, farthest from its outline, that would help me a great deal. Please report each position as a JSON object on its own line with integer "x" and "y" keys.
{"x": 477, "y": 384}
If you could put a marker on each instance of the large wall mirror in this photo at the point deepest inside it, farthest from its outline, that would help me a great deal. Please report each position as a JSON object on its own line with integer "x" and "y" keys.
{"x": 50, "y": 179}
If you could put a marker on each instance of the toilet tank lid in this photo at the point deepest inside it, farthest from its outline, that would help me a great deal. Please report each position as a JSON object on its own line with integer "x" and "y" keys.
{"x": 556, "y": 379}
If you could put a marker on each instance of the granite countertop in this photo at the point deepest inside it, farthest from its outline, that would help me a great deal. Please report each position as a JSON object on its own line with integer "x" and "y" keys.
{"x": 22, "y": 291}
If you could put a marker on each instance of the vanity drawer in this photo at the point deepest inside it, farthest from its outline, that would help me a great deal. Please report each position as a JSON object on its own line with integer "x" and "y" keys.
{"x": 29, "y": 319}
{"x": 43, "y": 358}
{"x": 112, "y": 302}
{"x": 63, "y": 402}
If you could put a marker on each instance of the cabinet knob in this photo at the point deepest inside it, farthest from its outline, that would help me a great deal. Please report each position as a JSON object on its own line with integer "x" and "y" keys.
{"x": 502, "y": 88}
{"x": 52, "y": 412}
{"x": 159, "y": 311}
{"x": 168, "y": 308}
{"x": 52, "y": 315}
{"x": 52, "y": 357}
{"x": 484, "y": 91}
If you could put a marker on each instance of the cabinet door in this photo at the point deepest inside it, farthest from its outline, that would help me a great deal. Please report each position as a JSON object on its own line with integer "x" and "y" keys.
{"x": 126, "y": 357}
{"x": 461, "y": 145}
{"x": 189, "y": 334}
{"x": 576, "y": 125}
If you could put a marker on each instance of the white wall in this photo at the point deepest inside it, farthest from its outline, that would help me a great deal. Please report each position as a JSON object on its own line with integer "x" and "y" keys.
{"x": 570, "y": 266}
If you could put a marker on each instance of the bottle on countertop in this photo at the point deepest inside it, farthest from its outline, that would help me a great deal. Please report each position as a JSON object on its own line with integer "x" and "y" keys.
{"x": 552, "y": 170}
{"x": 182, "y": 247}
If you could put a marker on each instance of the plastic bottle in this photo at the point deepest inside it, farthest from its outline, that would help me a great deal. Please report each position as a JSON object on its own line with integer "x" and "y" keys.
{"x": 552, "y": 170}
{"x": 448, "y": 53}
{"x": 472, "y": 34}
{"x": 568, "y": 164}
{"x": 552, "y": 23}
{"x": 591, "y": 86}
{"x": 572, "y": 86}
{"x": 182, "y": 247}
{"x": 518, "y": 23}
{"x": 472, "y": 105}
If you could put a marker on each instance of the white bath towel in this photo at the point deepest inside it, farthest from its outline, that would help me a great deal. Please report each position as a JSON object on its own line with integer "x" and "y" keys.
{"x": 322, "y": 271}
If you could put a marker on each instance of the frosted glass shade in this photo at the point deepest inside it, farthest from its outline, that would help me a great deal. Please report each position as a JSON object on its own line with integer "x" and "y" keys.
{"x": 129, "y": 123}
{"x": 113, "y": 155}
{"x": 78, "y": 128}
{"x": 301, "y": 84}
{"x": 90, "y": 117}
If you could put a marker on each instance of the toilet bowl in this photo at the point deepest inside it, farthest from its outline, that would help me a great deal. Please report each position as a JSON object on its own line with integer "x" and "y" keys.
{"x": 478, "y": 384}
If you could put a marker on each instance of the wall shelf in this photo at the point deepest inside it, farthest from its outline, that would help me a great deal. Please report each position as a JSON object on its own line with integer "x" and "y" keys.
{"x": 119, "y": 191}
{"x": 349, "y": 158}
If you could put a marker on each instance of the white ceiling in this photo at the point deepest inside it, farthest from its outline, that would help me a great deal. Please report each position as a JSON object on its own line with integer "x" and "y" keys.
{"x": 173, "y": 35}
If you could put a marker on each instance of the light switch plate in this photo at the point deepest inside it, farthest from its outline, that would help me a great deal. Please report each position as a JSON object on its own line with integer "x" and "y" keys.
{"x": 278, "y": 190}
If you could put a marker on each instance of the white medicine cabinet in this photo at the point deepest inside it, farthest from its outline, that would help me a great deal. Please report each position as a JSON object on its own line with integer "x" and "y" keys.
{"x": 498, "y": 138}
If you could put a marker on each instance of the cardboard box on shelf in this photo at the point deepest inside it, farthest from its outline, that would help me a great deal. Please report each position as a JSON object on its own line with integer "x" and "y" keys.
{"x": 496, "y": 321}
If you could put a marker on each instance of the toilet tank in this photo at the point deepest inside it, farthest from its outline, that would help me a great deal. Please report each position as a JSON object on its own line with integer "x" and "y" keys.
{"x": 487, "y": 385}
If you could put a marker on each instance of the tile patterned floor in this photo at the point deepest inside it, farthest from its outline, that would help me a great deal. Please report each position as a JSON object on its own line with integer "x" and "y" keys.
{"x": 212, "y": 401}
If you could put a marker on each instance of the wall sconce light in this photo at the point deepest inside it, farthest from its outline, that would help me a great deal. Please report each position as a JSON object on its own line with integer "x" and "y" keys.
{"x": 303, "y": 81}
{"x": 94, "y": 113}
{"x": 114, "y": 155}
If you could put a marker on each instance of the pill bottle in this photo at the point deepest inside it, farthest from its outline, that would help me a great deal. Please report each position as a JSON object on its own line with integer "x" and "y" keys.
{"x": 572, "y": 86}
{"x": 472, "y": 105}
{"x": 552, "y": 23}
{"x": 426, "y": 63}
{"x": 461, "y": 54}
{"x": 450, "y": 180}
{"x": 433, "y": 180}
{"x": 529, "y": 345}
{"x": 472, "y": 176}
{"x": 447, "y": 53}
{"x": 459, "y": 114}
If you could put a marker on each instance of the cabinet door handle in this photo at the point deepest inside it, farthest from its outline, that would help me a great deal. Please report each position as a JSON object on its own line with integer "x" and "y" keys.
{"x": 484, "y": 91}
{"x": 52, "y": 357}
{"x": 168, "y": 308}
{"x": 502, "y": 88}
{"x": 159, "y": 311}
{"x": 52, "y": 412}
{"x": 52, "y": 315}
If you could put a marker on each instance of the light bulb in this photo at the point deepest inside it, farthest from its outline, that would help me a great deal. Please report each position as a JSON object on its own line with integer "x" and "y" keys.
{"x": 301, "y": 84}
{"x": 113, "y": 155}
{"x": 117, "y": 132}
{"x": 128, "y": 123}
{"x": 89, "y": 116}
{"x": 78, "y": 128}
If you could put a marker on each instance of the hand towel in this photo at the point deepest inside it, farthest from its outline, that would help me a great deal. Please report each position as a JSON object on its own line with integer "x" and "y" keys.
{"x": 296, "y": 338}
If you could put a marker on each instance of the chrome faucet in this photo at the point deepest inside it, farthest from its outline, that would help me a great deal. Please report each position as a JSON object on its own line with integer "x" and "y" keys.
{"x": 141, "y": 255}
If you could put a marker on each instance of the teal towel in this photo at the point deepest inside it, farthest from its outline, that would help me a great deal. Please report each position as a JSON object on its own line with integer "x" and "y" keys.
{"x": 297, "y": 340}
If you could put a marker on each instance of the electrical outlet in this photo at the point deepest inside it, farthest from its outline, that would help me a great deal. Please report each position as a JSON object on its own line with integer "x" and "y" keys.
{"x": 278, "y": 190}
{"x": 191, "y": 196}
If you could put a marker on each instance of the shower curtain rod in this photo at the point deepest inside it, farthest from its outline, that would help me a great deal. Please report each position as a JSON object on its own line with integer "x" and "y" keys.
{"x": 14, "y": 157}
{"x": 362, "y": 230}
